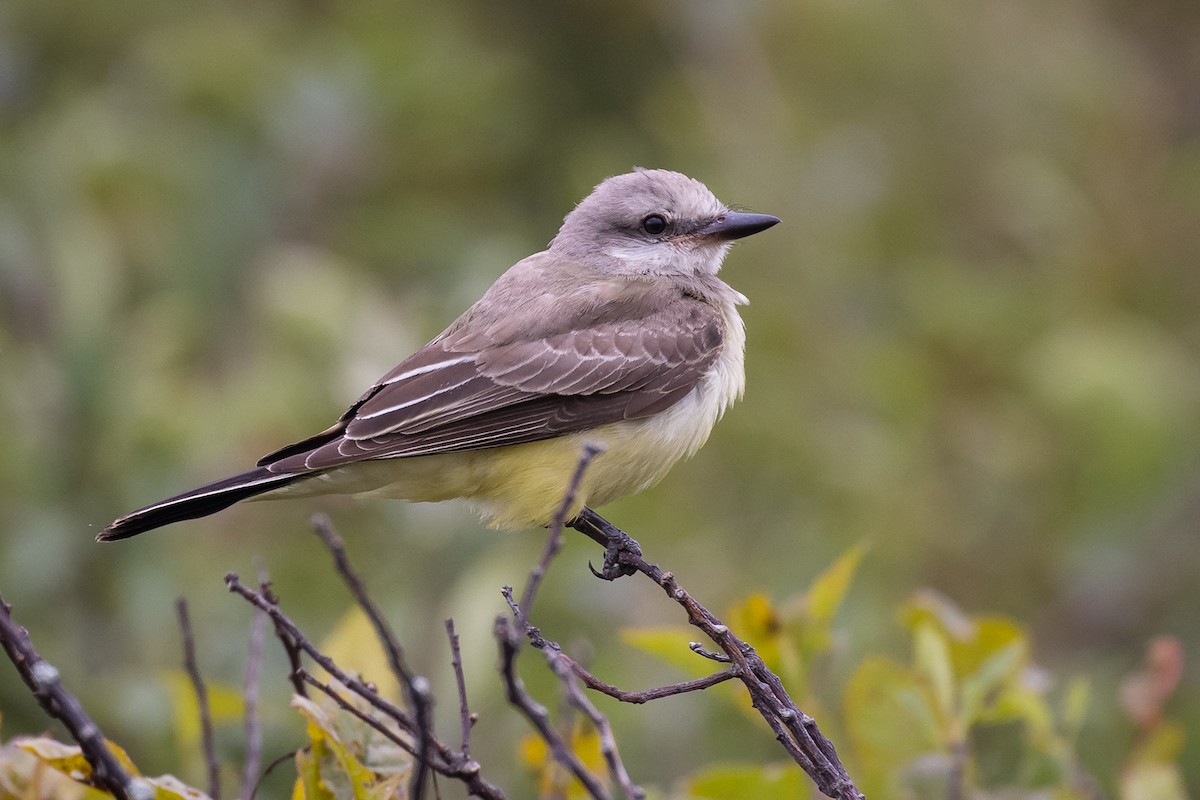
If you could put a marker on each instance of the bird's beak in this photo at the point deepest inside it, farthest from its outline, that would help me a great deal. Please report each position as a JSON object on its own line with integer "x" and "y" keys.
{"x": 736, "y": 224}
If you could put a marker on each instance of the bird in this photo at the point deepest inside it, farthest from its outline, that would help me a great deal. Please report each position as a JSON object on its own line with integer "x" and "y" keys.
{"x": 618, "y": 335}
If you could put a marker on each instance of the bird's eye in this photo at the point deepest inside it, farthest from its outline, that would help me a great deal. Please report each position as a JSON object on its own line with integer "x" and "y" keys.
{"x": 654, "y": 224}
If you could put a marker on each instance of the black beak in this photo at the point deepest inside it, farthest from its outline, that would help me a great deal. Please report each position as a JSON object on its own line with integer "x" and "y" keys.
{"x": 737, "y": 224}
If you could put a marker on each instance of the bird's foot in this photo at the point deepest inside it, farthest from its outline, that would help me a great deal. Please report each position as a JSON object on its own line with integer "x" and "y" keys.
{"x": 622, "y": 553}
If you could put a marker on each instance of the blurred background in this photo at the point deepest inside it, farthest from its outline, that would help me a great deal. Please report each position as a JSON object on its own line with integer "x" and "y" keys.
{"x": 973, "y": 342}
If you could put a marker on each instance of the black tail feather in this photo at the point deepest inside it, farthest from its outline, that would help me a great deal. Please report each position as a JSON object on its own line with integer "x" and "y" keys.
{"x": 199, "y": 502}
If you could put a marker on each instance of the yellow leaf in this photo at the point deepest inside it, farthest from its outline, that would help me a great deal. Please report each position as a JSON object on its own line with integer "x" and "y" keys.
{"x": 66, "y": 758}
{"x": 988, "y": 637}
{"x": 756, "y": 622}
{"x": 932, "y": 654}
{"x": 533, "y": 751}
{"x": 168, "y": 787}
{"x": 328, "y": 750}
{"x": 1163, "y": 745}
{"x": 1075, "y": 706}
{"x": 928, "y": 606}
{"x": 25, "y": 775}
{"x": 554, "y": 781}
{"x": 308, "y": 784}
{"x": 982, "y": 687}
{"x": 825, "y": 595}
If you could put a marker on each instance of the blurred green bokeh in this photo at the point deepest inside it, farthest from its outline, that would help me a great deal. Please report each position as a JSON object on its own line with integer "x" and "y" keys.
{"x": 974, "y": 342}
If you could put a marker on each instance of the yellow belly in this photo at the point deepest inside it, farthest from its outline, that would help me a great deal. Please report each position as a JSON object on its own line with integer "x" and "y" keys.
{"x": 523, "y": 485}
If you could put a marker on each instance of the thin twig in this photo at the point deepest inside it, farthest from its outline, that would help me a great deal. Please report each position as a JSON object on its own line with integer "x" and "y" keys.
{"x": 683, "y": 687}
{"x": 302, "y": 644}
{"x": 43, "y": 680}
{"x": 416, "y": 688}
{"x": 275, "y": 762}
{"x": 795, "y": 730}
{"x": 565, "y": 669}
{"x": 555, "y": 541}
{"x": 250, "y": 693}
{"x": 206, "y": 725}
{"x": 510, "y": 641}
{"x": 700, "y": 650}
{"x": 466, "y": 718}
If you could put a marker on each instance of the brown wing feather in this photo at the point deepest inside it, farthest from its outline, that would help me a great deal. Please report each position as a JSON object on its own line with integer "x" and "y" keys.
{"x": 442, "y": 400}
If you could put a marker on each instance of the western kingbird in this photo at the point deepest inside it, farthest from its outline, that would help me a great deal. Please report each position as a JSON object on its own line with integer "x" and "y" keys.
{"x": 619, "y": 334}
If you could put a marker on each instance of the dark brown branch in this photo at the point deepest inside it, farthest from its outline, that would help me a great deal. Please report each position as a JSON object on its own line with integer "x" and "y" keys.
{"x": 683, "y": 687}
{"x": 509, "y": 640}
{"x": 206, "y": 726}
{"x": 416, "y": 688}
{"x": 795, "y": 730}
{"x": 565, "y": 669}
{"x": 466, "y": 718}
{"x": 302, "y": 644}
{"x": 43, "y": 680}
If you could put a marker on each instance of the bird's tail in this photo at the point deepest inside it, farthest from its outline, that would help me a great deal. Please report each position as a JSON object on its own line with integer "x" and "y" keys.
{"x": 199, "y": 502}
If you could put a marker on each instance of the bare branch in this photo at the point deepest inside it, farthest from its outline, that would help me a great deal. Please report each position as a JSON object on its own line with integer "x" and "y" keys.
{"x": 510, "y": 638}
{"x": 206, "y": 727}
{"x": 416, "y": 688}
{"x": 44, "y": 682}
{"x": 567, "y": 671}
{"x": 510, "y": 644}
{"x": 346, "y": 705}
{"x": 683, "y": 687}
{"x": 289, "y": 644}
{"x": 466, "y": 718}
{"x": 795, "y": 730}
{"x": 253, "y": 728}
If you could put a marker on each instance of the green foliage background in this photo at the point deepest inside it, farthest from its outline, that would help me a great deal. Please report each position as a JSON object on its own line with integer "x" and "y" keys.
{"x": 974, "y": 341}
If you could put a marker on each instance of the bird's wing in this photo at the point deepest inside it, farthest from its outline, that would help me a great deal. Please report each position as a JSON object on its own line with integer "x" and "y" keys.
{"x": 443, "y": 400}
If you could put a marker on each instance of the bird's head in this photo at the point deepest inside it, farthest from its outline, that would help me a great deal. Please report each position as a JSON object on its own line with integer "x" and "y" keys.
{"x": 654, "y": 222}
